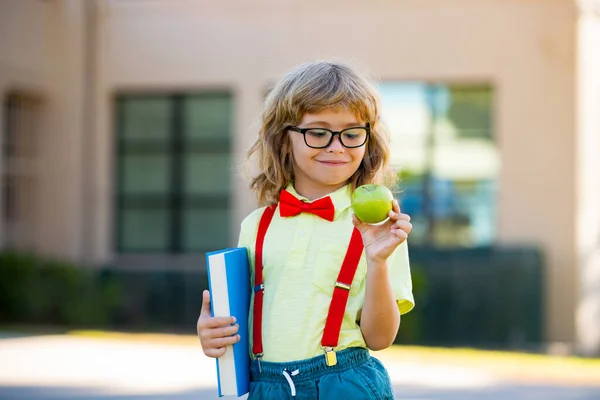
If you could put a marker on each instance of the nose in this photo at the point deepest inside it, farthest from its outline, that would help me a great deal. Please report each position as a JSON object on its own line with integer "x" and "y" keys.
{"x": 336, "y": 145}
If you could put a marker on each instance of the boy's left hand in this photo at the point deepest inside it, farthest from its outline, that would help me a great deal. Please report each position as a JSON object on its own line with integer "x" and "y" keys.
{"x": 381, "y": 240}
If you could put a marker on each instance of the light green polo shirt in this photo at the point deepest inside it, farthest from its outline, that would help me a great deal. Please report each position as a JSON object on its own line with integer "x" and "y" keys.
{"x": 302, "y": 257}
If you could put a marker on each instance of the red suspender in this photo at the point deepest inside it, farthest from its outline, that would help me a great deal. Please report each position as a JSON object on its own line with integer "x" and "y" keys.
{"x": 333, "y": 324}
{"x": 259, "y": 288}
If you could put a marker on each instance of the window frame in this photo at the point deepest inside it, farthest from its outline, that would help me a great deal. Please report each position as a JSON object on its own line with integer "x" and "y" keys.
{"x": 175, "y": 201}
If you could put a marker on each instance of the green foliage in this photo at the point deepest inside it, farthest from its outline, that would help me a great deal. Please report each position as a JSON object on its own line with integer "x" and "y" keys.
{"x": 33, "y": 290}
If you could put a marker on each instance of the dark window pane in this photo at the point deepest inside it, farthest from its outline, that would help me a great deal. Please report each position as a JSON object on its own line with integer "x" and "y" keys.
{"x": 463, "y": 212}
{"x": 207, "y": 174}
{"x": 470, "y": 110}
{"x": 9, "y": 191}
{"x": 475, "y": 202}
{"x": 208, "y": 116}
{"x": 20, "y": 181}
{"x": 145, "y": 174}
{"x": 144, "y": 230}
{"x": 411, "y": 199}
{"x": 146, "y": 118}
{"x": 21, "y": 115}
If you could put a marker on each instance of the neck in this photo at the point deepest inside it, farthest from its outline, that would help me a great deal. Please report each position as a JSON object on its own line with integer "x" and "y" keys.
{"x": 313, "y": 193}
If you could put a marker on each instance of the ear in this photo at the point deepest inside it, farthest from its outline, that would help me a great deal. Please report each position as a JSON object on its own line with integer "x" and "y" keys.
{"x": 286, "y": 146}
{"x": 288, "y": 157}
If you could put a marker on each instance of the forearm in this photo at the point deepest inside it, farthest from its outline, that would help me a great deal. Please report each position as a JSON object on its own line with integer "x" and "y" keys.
{"x": 380, "y": 317}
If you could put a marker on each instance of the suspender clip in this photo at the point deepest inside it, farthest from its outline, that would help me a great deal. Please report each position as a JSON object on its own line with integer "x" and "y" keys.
{"x": 330, "y": 357}
{"x": 258, "y": 357}
{"x": 259, "y": 288}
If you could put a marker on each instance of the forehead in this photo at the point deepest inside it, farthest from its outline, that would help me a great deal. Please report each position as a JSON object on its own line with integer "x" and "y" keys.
{"x": 339, "y": 116}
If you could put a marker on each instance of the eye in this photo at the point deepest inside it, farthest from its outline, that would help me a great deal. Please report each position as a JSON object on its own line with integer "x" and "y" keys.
{"x": 355, "y": 134}
{"x": 318, "y": 133}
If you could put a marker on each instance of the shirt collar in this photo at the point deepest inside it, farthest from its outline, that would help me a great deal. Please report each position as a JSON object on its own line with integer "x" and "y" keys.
{"x": 341, "y": 198}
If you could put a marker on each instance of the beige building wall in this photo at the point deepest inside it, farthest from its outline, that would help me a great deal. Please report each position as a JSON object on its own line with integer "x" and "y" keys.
{"x": 39, "y": 57}
{"x": 525, "y": 49}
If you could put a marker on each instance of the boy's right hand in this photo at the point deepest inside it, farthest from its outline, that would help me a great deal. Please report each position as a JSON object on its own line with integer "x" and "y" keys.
{"x": 215, "y": 333}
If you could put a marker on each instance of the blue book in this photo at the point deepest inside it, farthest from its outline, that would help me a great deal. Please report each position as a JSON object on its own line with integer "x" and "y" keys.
{"x": 229, "y": 285}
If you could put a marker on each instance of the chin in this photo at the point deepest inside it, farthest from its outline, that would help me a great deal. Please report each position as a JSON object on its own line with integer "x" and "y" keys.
{"x": 335, "y": 182}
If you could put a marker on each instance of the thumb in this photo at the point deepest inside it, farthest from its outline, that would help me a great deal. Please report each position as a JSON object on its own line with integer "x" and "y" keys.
{"x": 206, "y": 304}
{"x": 396, "y": 206}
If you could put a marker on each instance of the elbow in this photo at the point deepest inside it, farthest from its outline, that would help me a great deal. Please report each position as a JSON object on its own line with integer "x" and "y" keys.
{"x": 380, "y": 343}
{"x": 377, "y": 341}
{"x": 380, "y": 336}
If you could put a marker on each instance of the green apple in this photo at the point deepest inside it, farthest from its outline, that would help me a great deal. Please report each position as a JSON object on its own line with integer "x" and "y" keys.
{"x": 371, "y": 203}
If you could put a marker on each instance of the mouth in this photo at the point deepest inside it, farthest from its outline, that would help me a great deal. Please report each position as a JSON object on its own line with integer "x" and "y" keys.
{"x": 333, "y": 163}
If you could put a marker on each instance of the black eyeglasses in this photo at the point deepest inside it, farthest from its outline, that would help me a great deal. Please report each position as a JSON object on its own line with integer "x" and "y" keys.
{"x": 320, "y": 138}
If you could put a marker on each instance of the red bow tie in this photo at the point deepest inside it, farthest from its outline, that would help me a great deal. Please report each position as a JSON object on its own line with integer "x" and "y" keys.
{"x": 290, "y": 206}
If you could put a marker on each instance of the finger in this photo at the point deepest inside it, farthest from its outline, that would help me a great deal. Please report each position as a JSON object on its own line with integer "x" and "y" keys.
{"x": 357, "y": 222}
{"x": 404, "y": 225}
{"x": 399, "y": 216}
{"x": 224, "y": 341}
{"x": 395, "y": 211}
{"x": 396, "y": 206}
{"x": 205, "y": 310}
{"x": 404, "y": 217}
{"x": 220, "y": 332}
{"x": 401, "y": 234}
{"x": 215, "y": 353}
{"x": 215, "y": 322}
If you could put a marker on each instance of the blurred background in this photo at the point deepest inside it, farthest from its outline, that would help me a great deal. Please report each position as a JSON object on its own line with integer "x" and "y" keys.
{"x": 124, "y": 122}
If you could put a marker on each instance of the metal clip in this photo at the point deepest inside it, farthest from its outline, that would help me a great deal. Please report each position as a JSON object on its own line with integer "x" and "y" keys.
{"x": 330, "y": 357}
{"x": 342, "y": 285}
{"x": 258, "y": 288}
{"x": 258, "y": 357}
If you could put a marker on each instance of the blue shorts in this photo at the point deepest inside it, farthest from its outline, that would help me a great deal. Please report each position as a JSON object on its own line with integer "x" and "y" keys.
{"x": 356, "y": 376}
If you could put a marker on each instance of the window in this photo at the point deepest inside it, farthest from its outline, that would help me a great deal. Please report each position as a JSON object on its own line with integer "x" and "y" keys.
{"x": 19, "y": 177}
{"x": 174, "y": 168}
{"x": 443, "y": 147}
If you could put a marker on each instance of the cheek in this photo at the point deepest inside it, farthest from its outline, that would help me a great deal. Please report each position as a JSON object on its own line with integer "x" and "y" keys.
{"x": 358, "y": 155}
{"x": 295, "y": 150}
{"x": 303, "y": 154}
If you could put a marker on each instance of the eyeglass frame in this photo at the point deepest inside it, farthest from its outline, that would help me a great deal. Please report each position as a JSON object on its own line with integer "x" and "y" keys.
{"x": 303, "y": 131}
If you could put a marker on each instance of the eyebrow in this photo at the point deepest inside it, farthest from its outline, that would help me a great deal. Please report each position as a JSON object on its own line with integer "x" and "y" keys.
{"x": 328, "y": 125}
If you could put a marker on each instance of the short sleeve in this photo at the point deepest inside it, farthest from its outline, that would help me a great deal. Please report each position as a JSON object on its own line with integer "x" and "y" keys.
{"x": 247, "y": 238}
{"x": 246, "y": 234}
{"x": 399, "y": 270}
